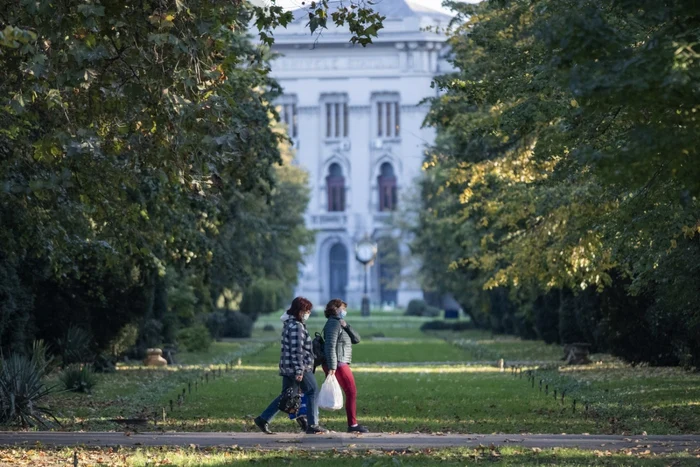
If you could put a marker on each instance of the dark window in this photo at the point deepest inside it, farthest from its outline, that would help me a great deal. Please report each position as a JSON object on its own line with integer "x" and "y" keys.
{"x": 387, "y": 188}
{"x": 335, "y": 186}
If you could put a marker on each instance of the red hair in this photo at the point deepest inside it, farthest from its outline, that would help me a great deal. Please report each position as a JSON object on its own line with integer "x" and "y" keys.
{"x": 299, "y": 306}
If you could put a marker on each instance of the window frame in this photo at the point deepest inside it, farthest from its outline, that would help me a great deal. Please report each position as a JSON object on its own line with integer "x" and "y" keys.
{"x": 336, "y": 117}
{"x": 387, "y": 187}
{"x": 386, "y": 116}
{"x": 335, "y": 190}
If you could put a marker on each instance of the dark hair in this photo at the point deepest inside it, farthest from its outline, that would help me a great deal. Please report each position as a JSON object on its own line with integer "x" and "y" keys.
{"x": 299, "y": 306}
{"x": 333, "y": 307}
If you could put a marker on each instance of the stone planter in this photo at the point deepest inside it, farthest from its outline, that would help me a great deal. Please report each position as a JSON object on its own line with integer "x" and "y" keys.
{"x": 154, "y": 357}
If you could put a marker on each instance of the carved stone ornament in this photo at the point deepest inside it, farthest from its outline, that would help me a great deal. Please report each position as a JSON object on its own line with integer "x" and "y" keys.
{"x": 154, "y": 357}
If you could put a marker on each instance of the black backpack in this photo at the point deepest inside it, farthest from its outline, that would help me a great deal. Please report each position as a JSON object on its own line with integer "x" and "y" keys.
{"x": 317, "y": 346}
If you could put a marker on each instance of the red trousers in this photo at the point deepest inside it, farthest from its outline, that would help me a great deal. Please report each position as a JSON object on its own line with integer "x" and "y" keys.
{"x": 347, "y": 383}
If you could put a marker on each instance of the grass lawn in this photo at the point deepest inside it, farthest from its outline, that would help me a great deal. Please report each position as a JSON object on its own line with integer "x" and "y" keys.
{"x": 480, "y": 346}
{"x": 217, "y": 351}
{"x": 136, "y": 392}
{"x": 632, "y": 399}
{"x": 467, "y": 399}
{"x": 382, "y": 324}
{"x": 407, "y": 381}
{"x": 390, "y": 350}
{"x": 513, "y": 456}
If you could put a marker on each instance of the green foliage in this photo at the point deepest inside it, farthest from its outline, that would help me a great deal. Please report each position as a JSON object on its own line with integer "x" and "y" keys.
{"x": 195, "y": 338}
{"x": 22, "y": 392}
{"x": 79, "y": 378}
{"x": 359, "y": 17}
{"x": 124, "y": 340}
{"x": 105, "y": 363}
{"x": 264, "y": 296}
{"x": 40, "y": 356}
{"x": 230, "y": 324}
{"x": 136, "y": 154}
{"x": 418, "y": 307}
{"x": 566, "y": 163}
{"x": 75, "y": 346}
{"x": 440, "y": 325}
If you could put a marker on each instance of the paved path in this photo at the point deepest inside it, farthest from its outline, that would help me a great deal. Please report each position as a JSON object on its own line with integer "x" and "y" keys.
{"x": 348, "y": 441}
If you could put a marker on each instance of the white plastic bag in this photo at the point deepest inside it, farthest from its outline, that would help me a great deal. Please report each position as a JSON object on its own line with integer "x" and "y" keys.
{"x": 330, "y": 397}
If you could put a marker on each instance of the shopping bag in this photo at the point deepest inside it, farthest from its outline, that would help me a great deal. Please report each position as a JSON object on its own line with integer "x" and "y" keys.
{"x": 330, "y": 397}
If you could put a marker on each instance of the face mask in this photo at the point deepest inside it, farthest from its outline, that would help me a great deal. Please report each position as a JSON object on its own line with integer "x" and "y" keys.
{"x": 304, "y": 317}
{"x": 343, "y": 314}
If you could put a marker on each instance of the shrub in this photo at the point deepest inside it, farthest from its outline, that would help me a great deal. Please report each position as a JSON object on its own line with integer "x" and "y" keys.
{"x": 416, "y": 308}
{"x": 421, "y": 308}
{"x": 230, "y": 324}
{"x": 216, "y": 323}
{"x": 21, "y": 392}
{"x": 238, "y": 325}
{"x": 124, "y": 340}
{"x": 105, "y": 363}
{"x": 269, "y": 328}
{"x": 79, "y": 378}
{"x": 264, "y": 296}
{"x": 75, "y": 346}
{"x": 194, "y": 338}
{"x": 439, "y": 325}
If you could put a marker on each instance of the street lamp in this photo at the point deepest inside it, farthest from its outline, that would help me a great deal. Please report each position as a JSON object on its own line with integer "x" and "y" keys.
{"x": 366, "y": 252}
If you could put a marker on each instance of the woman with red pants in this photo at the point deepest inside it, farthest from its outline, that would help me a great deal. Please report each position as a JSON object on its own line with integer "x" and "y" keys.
{"x": 339, "y": 338}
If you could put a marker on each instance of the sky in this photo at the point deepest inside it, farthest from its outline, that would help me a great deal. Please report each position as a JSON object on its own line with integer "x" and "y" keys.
{"x": 434, "y": 4}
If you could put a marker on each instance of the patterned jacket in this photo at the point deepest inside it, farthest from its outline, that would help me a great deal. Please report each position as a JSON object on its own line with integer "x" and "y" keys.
{"x": 296, "y": 356}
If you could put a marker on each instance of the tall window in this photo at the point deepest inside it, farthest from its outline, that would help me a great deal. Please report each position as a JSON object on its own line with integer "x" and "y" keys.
{"x": 288, "y": 115}
{"x": 387, "y": 188}
{"x": 335, "y": 186}
{"x": 337, "y": 118}
{"x": 388, "y": 117}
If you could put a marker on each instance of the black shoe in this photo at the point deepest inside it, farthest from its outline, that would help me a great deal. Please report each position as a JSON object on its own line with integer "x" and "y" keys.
{"x": 303, "y": 424}
{"x": 315, "y": 430}
{"x": 263, "y": 425}
{"x": 358, "y": 429}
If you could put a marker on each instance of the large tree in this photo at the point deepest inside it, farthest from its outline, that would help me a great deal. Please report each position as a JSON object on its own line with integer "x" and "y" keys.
{"x": 566, "y": 159}
{"x": 134, "y": 137}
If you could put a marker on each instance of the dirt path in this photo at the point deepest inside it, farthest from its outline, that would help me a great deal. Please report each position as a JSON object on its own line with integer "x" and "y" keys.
{"x": 658, "y": 444}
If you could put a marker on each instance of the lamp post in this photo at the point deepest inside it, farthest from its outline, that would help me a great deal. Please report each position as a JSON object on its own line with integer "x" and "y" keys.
{"x": 366, "y": 252}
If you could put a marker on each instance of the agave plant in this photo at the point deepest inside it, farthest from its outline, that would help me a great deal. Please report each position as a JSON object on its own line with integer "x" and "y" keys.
{"x": 21, "y": 392}
{"x": 79, "y": 378}
{"x": 40, "y": 356}
{"x": 75, "y": 346}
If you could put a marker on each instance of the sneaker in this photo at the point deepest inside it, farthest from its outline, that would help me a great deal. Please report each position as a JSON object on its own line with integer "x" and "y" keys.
{"x": 303, "y": 423}
{"x": 263, "y": 425}
{"x": 315, "y": 430}
{"x": 358, "y": 429}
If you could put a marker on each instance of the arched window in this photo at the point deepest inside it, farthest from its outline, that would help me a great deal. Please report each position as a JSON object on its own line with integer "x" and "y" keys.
{"x": 335, "y": 186}
{"x": 387, "y": 188}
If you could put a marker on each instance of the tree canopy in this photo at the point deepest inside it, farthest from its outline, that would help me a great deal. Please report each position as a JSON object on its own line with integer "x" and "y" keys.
{"x": 567, "y": 163}
{"x": 140, "y": 169}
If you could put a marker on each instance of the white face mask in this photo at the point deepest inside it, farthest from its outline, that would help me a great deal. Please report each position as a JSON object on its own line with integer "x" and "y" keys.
{"x": 343, "y": 314}
{"x": 304, "y": 317}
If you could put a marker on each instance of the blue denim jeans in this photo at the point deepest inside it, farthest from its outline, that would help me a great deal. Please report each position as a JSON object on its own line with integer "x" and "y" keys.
{"x": 308, "y": 387}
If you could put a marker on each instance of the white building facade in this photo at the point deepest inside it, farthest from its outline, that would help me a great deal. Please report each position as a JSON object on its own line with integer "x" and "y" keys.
{"x": 355, "y": 116}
